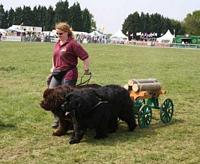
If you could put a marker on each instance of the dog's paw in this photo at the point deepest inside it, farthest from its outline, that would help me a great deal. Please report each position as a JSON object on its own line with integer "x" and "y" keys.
{"x": 132, "y": 127}
{"x": 74, "y": 141}
{"x": 58, "y": 133}
{"x": 76, "y": 138}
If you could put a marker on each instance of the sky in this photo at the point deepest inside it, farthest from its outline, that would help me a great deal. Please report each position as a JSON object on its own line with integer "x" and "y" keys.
{"x": 110, "y": 14}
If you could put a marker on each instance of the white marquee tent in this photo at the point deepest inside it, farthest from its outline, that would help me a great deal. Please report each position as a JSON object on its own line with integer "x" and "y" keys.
{"x": 96, "y": 33}
{"x": 3, "y": 31}
{"x": 166, "y": 38}
{"x": 119, "y": 34}
{"x": 15, "y": 28}
{"x": 118, "y": 37}
{"x": 19, "y": 28}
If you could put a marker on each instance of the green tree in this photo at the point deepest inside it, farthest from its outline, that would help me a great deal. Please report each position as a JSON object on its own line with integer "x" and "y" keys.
{"x": 132, "y": 25}
{"x": 35, "y": 16}
{"x": 2, "y": 16}
{"x": 145, "y": 23}
{"x": 93, "y": 24}
{"x": 87, "y": 17}
{"x": 177, "y": 27}
{"x": 27, "y": 16}
{"x": 50, "y": 19}
{"x": 156, "y": 23}
{"x": 18, "y": 16}
{"x": 62, "y": 11}
{"x": 5, "y": 20}
{"x": 41, "y": 17}
{"x": 126, "y": 26}
{"x": 46, "y": 18}
{"x": 192, "y": 23}
{"x": 75, "y": 19}
{"x": 166, "y": 24}
{"x": 11, "y": 17}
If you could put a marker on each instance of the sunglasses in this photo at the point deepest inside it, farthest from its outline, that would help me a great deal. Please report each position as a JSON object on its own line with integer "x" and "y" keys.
{"x": 59, "y": 33}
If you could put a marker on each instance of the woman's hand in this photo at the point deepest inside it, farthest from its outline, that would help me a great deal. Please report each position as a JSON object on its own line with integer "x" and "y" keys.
{"x": 87, "y": 72}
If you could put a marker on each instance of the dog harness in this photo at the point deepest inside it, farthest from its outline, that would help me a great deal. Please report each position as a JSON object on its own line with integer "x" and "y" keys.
{"x": 100, "y": 102}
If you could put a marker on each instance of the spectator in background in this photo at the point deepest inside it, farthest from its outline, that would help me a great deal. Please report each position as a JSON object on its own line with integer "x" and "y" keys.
{"x": 65, "y": 59}
{"x": 0, "y": 36}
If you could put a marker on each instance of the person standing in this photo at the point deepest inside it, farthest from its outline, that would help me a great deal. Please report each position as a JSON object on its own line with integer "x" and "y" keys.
{"x": 0, "y": 36}
{"x": 65, "y": 59}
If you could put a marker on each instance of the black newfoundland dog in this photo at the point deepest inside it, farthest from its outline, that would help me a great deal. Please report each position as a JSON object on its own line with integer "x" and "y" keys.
{"x": 53, "y": 99}
{"x": 99, "y": 109}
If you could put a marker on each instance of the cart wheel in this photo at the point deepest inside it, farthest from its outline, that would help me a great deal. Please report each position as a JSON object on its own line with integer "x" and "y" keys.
{"x": 166, "y": 111}
{"x": 144, "y": 116}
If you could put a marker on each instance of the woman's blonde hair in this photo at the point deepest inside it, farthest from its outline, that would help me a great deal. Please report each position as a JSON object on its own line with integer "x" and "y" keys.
{"x": 64, "y": 26}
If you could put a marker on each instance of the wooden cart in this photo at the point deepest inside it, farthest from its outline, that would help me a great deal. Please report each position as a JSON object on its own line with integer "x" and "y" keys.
{"x": 145, "y": 94}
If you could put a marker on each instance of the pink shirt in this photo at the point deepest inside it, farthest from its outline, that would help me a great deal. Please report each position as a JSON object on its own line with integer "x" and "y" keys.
{"x": 66, "y": 57}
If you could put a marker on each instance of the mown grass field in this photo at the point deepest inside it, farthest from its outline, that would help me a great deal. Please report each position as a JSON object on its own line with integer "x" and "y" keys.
{"x": 25, "y": 129}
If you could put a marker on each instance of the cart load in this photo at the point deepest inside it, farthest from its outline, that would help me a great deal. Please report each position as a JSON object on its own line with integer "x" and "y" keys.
{"x": 145, "y": 95}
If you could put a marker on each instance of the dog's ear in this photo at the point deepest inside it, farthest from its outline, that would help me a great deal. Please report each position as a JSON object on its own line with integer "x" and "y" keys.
{"x": 47, "y": 92}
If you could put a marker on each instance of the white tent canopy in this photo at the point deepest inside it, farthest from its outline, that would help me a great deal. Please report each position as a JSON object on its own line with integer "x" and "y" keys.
{"x": 3, "y": 31}
{"x": 80, "y": 33}
{"x": 119, "y": 35}
{"x": 166, "y": 38}
{"x": 96, "y": 33}
{"x": 19, "y": 28}
{"x": 16, "y": 28}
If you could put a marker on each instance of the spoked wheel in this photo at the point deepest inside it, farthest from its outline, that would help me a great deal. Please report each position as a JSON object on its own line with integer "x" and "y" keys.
{"x": 144, "y": 116}
{"x": 166, "y": 111}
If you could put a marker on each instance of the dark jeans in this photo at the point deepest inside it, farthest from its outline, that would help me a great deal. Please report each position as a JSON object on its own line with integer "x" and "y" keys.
{"x": 54, "y": 82}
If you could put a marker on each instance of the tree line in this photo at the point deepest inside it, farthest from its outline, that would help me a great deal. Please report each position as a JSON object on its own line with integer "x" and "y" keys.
{"x": 156, "y": 23}
{"x": 79, "y": 20}
{"x": 83, "y": 20}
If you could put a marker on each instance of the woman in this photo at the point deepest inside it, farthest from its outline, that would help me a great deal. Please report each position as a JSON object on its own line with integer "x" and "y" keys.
{"x": 65, "y": 59}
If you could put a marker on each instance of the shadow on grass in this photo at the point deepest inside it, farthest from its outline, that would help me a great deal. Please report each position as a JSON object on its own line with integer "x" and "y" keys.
{"x": 8, "y": 126}
{"x": 160, "y": 124}
{"x": 122, "y": 135}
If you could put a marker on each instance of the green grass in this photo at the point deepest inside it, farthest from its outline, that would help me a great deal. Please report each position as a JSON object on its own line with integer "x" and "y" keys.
{"x": 25, "y": 130}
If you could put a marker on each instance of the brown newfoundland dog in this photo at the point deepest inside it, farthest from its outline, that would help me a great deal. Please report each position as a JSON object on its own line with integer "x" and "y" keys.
{"x": 53, "y": 99}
